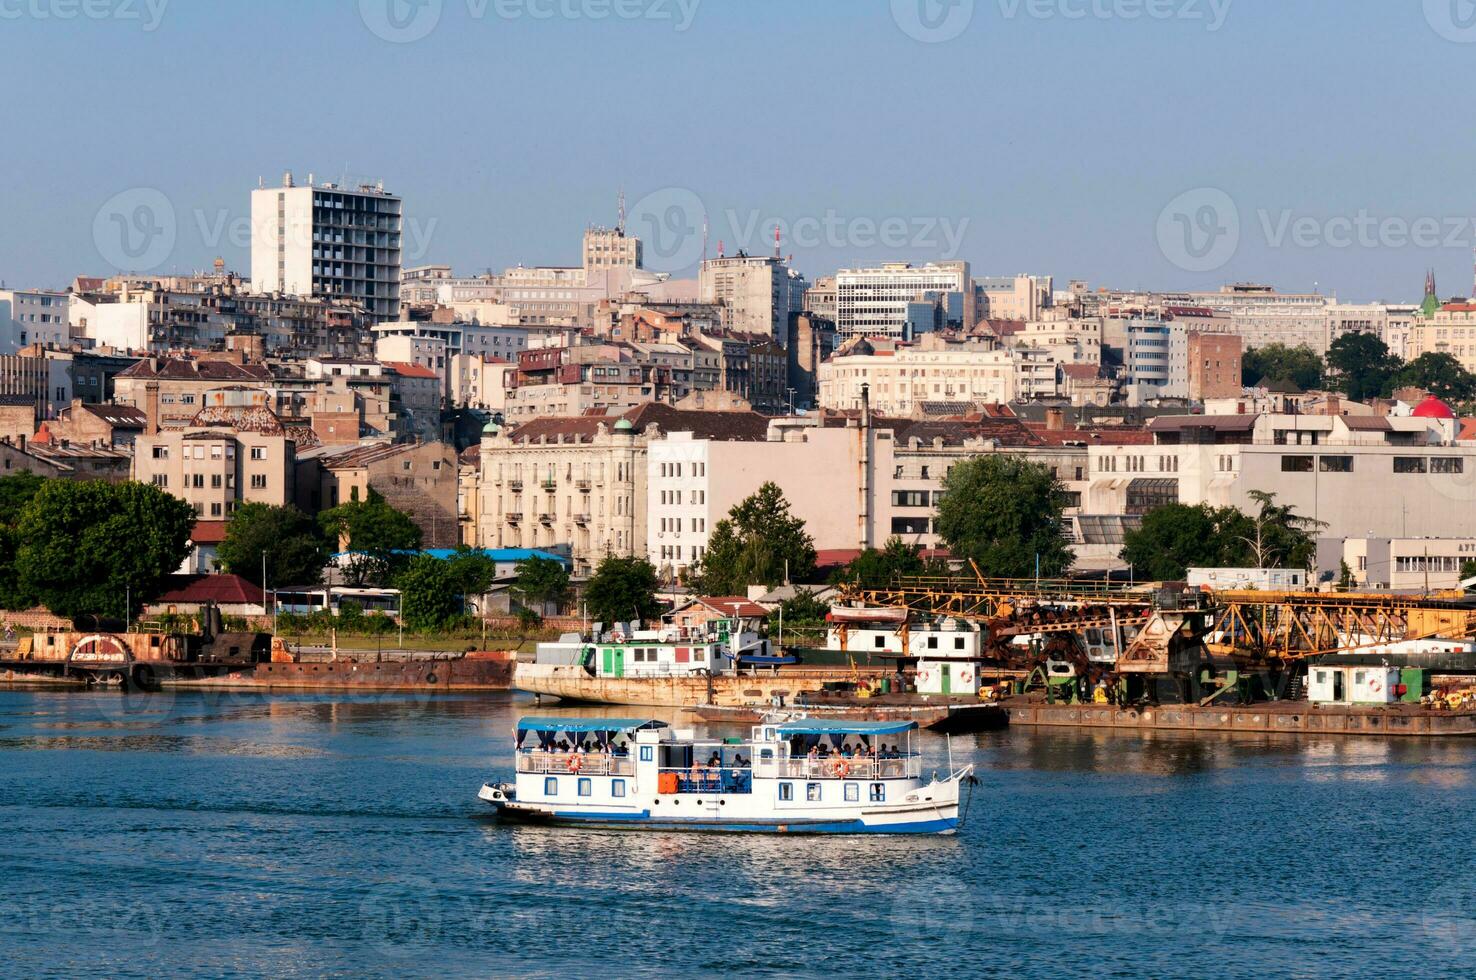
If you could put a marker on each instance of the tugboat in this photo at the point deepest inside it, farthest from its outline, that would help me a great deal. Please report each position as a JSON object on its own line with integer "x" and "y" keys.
{"x": 797, "y": 775}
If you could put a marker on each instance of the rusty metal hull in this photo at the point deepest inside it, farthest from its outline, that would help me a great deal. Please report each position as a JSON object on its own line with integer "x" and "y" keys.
{"x": 431, "y": 675}
{"x": 1277, "y": 717}
{"x": 571, "y": 683}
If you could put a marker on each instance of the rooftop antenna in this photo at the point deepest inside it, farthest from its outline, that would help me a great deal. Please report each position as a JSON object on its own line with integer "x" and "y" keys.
{"x": 778, "y": 255}
{"x": 704, "y": 238}
{"x": 621, "y": 226}
{"x": 720, "y": 248}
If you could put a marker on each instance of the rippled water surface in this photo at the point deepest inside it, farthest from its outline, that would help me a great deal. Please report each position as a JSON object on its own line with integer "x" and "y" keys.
{"x": 310, "y": 835}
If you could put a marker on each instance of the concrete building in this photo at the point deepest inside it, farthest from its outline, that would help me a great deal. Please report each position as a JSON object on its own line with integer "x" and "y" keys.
{"x": 230, "y": 453}
{"x": 873, "y": 302}
{"x": 1214, "y": 365}
{"x": 1014, "y": 297}
{"x": 1363, "y": 476}
{"x": 937, "y": 375}
{"x": 114, "y": 426}
{"x": 33, "y": 316}
{"x": 419, "y": 479}
{"x": 820, "y": 298}
{"x": 1451, "y": 329}
{"x": 328, "y": 241}
{"x": 183, "y": 383}
{"x": 811, "y": 342}
{"x": 1401, "y": 564}
{"x": 611, "y": 248}
{"x": 579, "y": 484}
{"x": 754, "y": 290}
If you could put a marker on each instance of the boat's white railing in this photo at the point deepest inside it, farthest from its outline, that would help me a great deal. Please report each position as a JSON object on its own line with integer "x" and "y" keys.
{"x": 582, "y": 763}
{"x": 840, "y": 767}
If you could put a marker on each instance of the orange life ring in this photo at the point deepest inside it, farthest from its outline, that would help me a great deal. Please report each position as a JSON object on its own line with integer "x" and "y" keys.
{"x": 841, "y": 768}
{"x": 575, "y": 763}
{"x": 1375, "y": 686}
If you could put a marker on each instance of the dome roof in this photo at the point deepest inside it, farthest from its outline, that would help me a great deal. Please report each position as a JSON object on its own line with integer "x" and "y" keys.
{"x": 1433, "y": 408}
{"x": 623, "y": 426}
{"x": 491, "y": 428}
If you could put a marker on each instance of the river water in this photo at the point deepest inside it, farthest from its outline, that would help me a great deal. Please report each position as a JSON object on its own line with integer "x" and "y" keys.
{"x": 234, "y": 834}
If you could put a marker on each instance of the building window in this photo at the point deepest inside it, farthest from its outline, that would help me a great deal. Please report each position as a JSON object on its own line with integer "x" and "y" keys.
{"x": 258, "y": 481}
{"x": 161, "y": 452}
{"x": 1446, "y": 464}
{"x": 258, "y": 452}
{"x": 1296, "y": 464}
{"x": 1409, "y": 464}
{"x": 159, "y": 479}
{"x": 910, "y": 498}
{"x": 1337, "y": 464}
{"x": 910, "y": 525}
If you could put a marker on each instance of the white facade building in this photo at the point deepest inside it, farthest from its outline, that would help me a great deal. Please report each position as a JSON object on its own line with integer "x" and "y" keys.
{"x": 329, "y": 241}
{"x": 31, "y": 316}
{"x": 873, "y": 302}
{"x": 935, "y": 370}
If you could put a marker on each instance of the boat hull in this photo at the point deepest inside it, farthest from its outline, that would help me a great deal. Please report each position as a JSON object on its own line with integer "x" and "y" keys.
{"x": 575, "y": 685}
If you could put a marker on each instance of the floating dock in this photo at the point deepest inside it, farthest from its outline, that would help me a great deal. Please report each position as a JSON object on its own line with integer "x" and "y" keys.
{"x": 1293, "y": 717}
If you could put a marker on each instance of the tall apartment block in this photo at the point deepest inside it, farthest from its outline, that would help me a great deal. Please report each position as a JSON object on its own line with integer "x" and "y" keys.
{"x": 328, "y": 241}
{"x": 611, "y": 248}
{"x": 874, "y": 302}
{"x": 755, "y": 290}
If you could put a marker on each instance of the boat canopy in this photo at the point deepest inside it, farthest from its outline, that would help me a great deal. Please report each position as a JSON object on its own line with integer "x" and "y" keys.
{"x": 816, "y": 727}
{"x": 587, "y": 724}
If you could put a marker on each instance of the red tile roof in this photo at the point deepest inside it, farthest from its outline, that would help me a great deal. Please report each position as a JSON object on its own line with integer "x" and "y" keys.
{"x": 223, "y": 589}
{"x": 717, "y": 426}
{"x": 407, "y": 370}
{"x": 179, "y": 369}
{"x": 208, "y": 532}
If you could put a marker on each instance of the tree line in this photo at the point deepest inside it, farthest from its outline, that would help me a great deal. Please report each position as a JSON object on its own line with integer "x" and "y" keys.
{"x": 1360, "y": 366}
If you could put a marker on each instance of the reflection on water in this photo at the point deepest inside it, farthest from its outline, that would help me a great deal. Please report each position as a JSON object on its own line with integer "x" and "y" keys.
{"x": 295, "y": 835}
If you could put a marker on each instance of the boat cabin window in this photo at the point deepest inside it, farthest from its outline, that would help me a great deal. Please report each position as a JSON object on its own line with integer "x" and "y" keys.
{"x": 958, "y": 643}
{"x": 586, "y": 786}
{"x": 551, "y": 786}
{"x": 878, "y": 792}
{"x": 812, "y": 792}
{"x": 617, "y": 788}
{"x": 932, "y": 643}
{"x": 786, "y": 791}
{"x": 699, "y": 655}
{"x": 881, "y": 642}
{"x": 853, "y": 793}
{"x": 766, "y": 754}
{"x": 646, "y": 754}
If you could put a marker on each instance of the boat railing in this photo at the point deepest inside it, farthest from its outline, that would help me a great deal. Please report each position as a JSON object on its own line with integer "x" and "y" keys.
{"x": 705, "y": 779}
{"x": 583, "y": 763}
{"x": 840, "y": 767}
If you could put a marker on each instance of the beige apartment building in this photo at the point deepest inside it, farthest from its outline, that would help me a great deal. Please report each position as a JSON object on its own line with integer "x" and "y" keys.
{"x": 904, "y": 380}
{"x": 1450, "y": 330}
{"x": 232, "y": 453}
{"x": 579, "y": 484}
{"x": 419, "y": 479}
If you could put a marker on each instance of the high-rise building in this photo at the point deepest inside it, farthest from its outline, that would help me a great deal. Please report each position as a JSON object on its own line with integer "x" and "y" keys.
{"x": 611, "y": 248}
{"x": 874, "y": 302}
{"x": 755, "y": 291}
{"x": 328, "y": 241}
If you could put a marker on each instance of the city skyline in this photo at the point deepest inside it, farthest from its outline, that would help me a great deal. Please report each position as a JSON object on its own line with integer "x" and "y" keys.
{"x": 1093, "y": 182}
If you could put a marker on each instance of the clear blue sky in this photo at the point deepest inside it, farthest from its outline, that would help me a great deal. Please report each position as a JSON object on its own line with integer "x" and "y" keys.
{"x": 1058, "y": 139}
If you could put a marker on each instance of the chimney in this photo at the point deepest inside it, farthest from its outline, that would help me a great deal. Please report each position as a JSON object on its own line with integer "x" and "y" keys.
{"x": 866, "y": 406}
{"x": 1055, "y": 420}
{"x": 151, "y": 408}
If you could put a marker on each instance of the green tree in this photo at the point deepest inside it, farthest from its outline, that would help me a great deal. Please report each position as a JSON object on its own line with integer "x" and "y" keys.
{"x": 429, "y": 599}
{"x": 759, "y": 542}
{"x": 83, "y": 546}
{"x": 877, "y": 568}
{"x": 472, "y": 571}
{"x": 1364, "y": 366}
{"x": 1468, "y": 569}
{"x": 375, "y": 534}
{"x": 16, "y": 491}
{"x": 622, "y": 589}
{"x": 1440, "y": 374}
{"x": 541, "y": 582}
{"x": 1006, "y": 514}
{"x": 292, "y": 543}
{"x": 1177, "y": 537}
{"x": 1277, "y": 536}
{"x": 1278, "y": 362}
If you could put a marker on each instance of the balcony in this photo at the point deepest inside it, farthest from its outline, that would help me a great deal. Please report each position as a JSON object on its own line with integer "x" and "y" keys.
{"x": 581, "y": 519}
{"x": 584, "y": 486}
{"x": 516, "y": 486}
{"x": 514, "y": 518}
{"x": 550, "y": 485}
{"x": 545, "y": 518}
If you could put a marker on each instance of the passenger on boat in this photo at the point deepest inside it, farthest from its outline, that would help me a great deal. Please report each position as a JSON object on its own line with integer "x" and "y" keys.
{"x": 715, "y": 762}
{"x": 739, "y": 762}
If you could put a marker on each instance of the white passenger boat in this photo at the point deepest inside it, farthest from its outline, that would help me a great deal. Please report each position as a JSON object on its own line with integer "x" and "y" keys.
{"x": 798, "y": 775}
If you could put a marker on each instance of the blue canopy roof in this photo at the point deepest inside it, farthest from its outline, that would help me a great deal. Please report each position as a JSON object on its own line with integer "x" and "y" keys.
{"x": 811, "y": 726}
{"x": 586, "y": 724}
